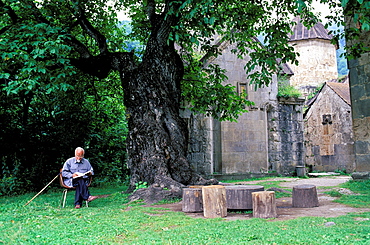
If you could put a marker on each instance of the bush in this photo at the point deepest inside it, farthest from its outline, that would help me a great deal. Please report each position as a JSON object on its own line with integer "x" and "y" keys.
{"x": 12, "y": 182}
{"x": 288, "y": 91}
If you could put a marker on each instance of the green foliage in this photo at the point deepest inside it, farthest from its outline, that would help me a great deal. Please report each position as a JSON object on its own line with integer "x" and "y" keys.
{"x": 288, "y": 91}
{"x": 140, "y": 185}
{"x": 358, "y": 11}
{"x": 312, "y": 94}
{"x": 47, "y": 106}
{"x": 208, "y": 23}
{"x": 13, "y": 182}
{"x": 41, "y": 130}
{"x": 212, "y": 98}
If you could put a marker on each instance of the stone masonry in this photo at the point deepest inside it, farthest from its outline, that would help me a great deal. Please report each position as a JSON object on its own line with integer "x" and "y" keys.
{"x": 360, "y": 99}
{"x": 360, "y": 94}
{"x": 249, "y": 145}
{"x": 328, "y": 130}
{"x": 285, "y": 130}
{"x": 317, "y": 57}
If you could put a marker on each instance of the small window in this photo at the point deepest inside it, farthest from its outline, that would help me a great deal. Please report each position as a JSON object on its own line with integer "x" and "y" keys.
{"x": 243, "y": 89}
{"x": 326, "y": 119}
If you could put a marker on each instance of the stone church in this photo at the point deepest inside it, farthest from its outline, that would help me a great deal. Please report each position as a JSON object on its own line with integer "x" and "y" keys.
{"x": 329, "y": 138}
{"x": 270, "y": 137}
{"x": 267, "y": 139}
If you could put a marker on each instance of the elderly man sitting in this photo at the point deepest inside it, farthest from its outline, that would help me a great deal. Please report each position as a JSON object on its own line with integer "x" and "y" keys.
{"x": 76, "y": 171}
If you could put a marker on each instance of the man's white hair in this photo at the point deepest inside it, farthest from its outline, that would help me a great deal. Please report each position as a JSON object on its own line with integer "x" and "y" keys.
{"x": 80, "y": 149}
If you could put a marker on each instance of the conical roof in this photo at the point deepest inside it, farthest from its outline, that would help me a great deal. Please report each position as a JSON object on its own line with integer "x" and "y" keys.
{"x": 300, "y": 32}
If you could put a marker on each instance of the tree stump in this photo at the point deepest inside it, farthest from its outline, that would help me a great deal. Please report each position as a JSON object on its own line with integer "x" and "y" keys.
{"x": 239, "y": 197}
{"x": 305, "y": 196}
{"x": 214, "y": 201}
{"x": 192, "y": 201}
{"x": 264, "y": 205}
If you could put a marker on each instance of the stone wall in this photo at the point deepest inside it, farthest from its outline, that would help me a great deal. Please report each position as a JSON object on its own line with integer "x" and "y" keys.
{"x": 285, "y": 132}
{"x": 360, "y": 93}
{"x": 328, "y": 133}
{"x": 360, "y": 99}
{"x": 243, "y": 144}
{"x": 247, "y": 146}
{"x": 201, "y": 146}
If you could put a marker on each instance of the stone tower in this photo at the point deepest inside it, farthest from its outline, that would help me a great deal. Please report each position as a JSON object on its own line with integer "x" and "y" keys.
{"x": 317, "y": 60}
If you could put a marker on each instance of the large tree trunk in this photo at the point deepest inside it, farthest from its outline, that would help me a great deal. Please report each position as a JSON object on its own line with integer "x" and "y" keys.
{"x": 157, "y": 141}
{"x": 158, "y": 136}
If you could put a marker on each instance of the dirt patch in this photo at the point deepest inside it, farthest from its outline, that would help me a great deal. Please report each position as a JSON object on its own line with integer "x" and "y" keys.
{"x": 285, "y": 211}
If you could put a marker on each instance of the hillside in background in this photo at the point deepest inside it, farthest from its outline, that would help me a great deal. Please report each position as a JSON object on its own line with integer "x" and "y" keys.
{"x": 341, "y": 60}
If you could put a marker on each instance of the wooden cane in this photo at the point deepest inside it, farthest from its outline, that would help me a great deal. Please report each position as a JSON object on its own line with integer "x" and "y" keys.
{"x": 41, "y": 190}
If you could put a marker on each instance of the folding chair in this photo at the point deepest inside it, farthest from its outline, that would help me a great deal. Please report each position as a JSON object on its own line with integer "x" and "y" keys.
{"x": 67, "y": 188}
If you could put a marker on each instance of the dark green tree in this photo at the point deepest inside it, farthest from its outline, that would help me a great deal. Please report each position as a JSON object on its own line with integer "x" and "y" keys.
{"x": 39, "y": 130}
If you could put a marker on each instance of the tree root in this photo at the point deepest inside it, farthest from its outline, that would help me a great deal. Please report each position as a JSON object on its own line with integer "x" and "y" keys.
{"x": 165, "y": 189}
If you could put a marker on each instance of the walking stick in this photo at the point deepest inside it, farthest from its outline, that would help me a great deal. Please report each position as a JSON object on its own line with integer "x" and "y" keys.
{"x": 41, "y": 191}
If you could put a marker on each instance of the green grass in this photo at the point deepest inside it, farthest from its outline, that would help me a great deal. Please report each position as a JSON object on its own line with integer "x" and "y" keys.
{"x": 361, "y": 188}
{"x": 113, "y": 220}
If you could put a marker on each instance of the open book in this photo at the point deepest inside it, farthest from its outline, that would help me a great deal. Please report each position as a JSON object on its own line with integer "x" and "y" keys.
{"x": 81, "y": 174}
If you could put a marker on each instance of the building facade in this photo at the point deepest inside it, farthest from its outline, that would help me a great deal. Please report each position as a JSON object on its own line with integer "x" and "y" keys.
{"x": 328, "y": 129}
{"x": 267, "y": 139}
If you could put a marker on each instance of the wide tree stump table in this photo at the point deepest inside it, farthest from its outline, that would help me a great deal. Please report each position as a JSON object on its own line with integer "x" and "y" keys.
{"x": 305, "y": 196}
{"x": 239, "y": 197}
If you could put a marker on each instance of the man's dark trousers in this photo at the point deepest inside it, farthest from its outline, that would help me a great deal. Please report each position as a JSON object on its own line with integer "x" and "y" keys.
{"x": 82, "y": 192}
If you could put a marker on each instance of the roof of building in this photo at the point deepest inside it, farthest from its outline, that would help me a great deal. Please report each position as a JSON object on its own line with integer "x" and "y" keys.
{"x": 340, "y": 87}
{"x": 342, "y": 90}
{"x": 285, "y": 68}
{"x": 300, "y": 32}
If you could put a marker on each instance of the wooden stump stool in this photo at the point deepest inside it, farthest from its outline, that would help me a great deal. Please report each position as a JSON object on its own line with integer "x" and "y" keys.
{"x": 264, "y": 204}
{"x": 240, "y": 196}
{"x": 192, "y": 201}
{"x": 305, "y": 196}
{"x": 214, "y": 201}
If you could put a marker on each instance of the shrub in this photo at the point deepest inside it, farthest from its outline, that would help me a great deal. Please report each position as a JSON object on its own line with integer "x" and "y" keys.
{"x": 288, "y": 91}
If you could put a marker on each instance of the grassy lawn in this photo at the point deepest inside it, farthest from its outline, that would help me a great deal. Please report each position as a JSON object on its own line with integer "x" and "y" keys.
{"x": 112, "y": 220}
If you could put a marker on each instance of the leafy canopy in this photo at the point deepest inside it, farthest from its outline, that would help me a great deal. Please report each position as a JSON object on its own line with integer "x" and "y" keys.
{"x": 39, "y": 40}
{"x": 203, "y": 25}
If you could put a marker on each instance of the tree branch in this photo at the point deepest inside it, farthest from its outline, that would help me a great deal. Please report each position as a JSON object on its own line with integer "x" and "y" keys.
{"x": 150, "y": 11}
{"x": 36, "y": 12}
{"x": 93, "y": 32}
{"x": 164, "y": 22}
{"x": 79, "y": 47}
{"x": 8, "y": 10}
